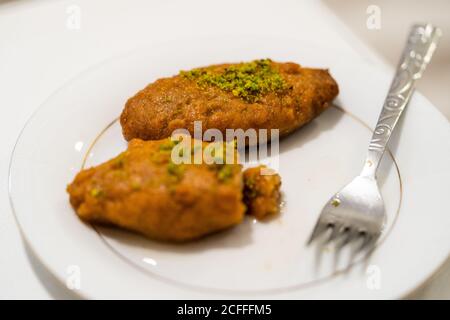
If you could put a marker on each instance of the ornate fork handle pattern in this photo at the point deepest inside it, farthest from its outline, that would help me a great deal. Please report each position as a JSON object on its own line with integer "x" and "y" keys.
{"x": 421, "y": 45}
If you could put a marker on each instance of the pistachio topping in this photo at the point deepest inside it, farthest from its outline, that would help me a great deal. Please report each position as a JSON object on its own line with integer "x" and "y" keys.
{"x": 175, "y": 170}
{"x": 135, "y": 186}
{"x": 249, "y": 81}
{"x": 96, "y": 192}
{"x": 250, "y": 188}
{"x": 167, "y": 146}
{"x": 225, "y": 172}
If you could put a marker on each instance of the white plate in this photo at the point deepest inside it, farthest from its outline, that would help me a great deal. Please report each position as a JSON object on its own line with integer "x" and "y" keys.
{"x": 253, "y": 260}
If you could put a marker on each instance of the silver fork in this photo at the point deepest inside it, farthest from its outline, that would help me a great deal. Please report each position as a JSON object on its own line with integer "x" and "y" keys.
{"x": 357, "y": 211}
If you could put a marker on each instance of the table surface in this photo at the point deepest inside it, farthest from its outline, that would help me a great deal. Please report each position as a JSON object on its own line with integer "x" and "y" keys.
{"x": 40, "y": 51}
{"x": 387, "y": 40}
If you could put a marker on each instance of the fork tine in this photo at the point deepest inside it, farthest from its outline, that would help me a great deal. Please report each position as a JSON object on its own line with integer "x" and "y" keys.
{"x": 349, "y": 234}
{"x": 355, "y": 248}
{"x": 369, "y": 240}
{"x": 318, "y": 229}
{"x": 335, "y": 232}
{"x": 366, "y": 240}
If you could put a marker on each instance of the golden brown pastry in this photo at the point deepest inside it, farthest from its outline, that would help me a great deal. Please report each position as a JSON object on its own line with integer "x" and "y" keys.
{"x": 261, "y": 94}
{"x": 143, "y": 190}
{"x": 262, "y": 192}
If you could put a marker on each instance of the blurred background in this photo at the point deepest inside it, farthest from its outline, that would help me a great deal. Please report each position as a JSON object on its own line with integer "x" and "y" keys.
{"x": 395, "y": 18}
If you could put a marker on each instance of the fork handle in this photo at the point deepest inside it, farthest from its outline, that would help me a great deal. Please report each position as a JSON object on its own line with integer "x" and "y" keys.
{"x": 421, "y": 44}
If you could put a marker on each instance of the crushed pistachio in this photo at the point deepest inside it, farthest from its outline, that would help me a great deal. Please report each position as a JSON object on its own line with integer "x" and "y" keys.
{"x": 166, "y": 146}
{"x": 96, "y": 192}
{"x": 176, "y": 170}
{"x": 224, "y": 152}
{"x": 167, "y": 99}
{"x": 250, "y": 185}
{"x": 225, "y": 173}
{"x": 250, "y": 182}
{"x": 158, "y": 157}
{"x": 135, "y": 186}
{"x": 249, "y": 81}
